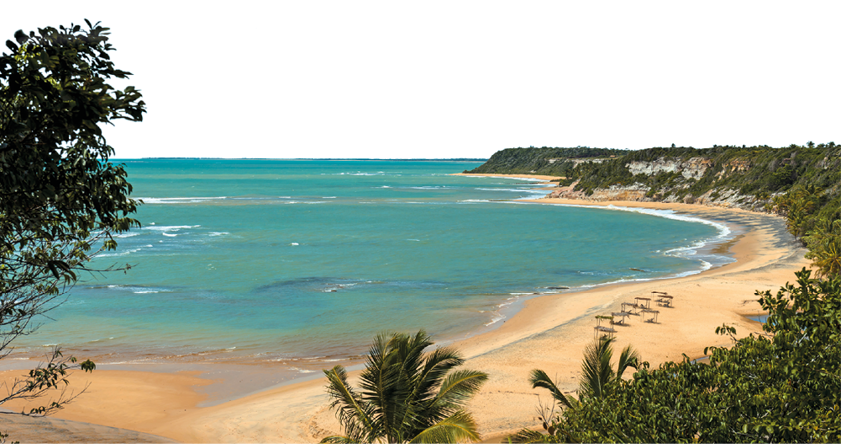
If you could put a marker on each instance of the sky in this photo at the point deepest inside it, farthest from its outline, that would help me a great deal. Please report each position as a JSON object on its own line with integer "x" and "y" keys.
{"x": 446, "y": 79}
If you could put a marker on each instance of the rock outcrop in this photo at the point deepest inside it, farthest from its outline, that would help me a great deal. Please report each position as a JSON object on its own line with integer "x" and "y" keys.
{"x": 693, "y": 168}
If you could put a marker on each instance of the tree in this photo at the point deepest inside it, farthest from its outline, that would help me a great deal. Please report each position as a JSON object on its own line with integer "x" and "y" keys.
{"x": 824, "y": 242}
{"x": 60, "y": 198}
{"x": 405, "y": 396}
{"x": 598, "y": 379}
{"x": 781, "y": 386}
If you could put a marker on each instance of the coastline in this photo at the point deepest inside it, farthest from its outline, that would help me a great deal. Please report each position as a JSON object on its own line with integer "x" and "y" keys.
{"x": 549, "y": 332}
{"x": 511, "y": 176}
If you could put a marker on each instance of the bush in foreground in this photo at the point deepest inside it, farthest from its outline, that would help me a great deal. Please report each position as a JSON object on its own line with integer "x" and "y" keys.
{"x": 781, "y": 386}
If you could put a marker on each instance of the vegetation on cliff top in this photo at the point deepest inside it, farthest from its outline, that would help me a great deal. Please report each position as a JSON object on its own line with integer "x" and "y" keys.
{"x": 546, "y": 161}
{"x": 802, "y": 183}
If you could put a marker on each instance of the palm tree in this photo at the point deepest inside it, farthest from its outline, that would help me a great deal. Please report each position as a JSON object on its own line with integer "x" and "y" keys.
{"x": 405, "y": 395}
{"x": 826, "y": 256}
{"x": 597, "y": 374}
{"x": 597, "y": 379}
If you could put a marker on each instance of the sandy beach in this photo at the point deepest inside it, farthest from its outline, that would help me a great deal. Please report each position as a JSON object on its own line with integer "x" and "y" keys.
{"x": 549, "y": 332}
{"x": 511, "y": 176}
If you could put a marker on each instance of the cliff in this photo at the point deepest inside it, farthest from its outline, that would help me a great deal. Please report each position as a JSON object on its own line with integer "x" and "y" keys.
{"x": 742, "y": 177}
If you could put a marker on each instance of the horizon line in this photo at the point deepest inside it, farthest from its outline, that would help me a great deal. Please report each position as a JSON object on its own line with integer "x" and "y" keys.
{"x": 455, "y": 159}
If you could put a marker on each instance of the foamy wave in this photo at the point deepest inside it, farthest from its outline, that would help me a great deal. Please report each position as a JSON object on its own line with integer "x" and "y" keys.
{"x": 110, "y": 338}
{"x": 170, "y": 227}
{"x": 218, "y": 233}
{"x": 723, "y": 230}
{"x": 139, "y": 289}
{"x": 122, "y": 253}
{"x": 359, "y": 173}
{"x": 515, "y": 190}
{"x": 497, "y": 314}
{"x": 494, "y": 320}
{"x": 178, "y": 200}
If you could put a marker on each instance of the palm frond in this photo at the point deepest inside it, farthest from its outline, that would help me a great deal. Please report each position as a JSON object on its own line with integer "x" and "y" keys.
{"x": 353, "y": 413}
{"x": 459, "y": 427}
{"x": 457, "y": 388}
{"x": 527, "y": 436}
{"x": 438, "y": 363}
{"x": 378, "y": 381}
{"x": 628, "y": 358}
{"x": 539, "y": 378}
{"x": 420, "y": 403}
{"x": 405, "y": 393}
{"x": 596, "y": 371}
{"x": 408, "y": 363}
{"x": 338, "y": 440}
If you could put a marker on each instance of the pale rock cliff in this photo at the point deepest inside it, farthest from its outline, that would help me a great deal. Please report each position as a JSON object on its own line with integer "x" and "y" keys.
{"x": 692, "y": 170}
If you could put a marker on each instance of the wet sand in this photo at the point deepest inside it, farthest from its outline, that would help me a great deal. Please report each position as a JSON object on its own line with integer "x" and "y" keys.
{"x": 549, "y": 332}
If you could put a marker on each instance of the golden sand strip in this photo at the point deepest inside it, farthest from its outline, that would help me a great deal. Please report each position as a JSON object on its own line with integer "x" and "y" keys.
{"x": 511, "y": 176}
{"x": 549, "y": 333}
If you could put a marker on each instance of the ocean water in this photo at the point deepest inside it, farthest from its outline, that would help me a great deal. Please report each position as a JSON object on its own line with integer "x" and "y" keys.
{"x": 295, "y": 260}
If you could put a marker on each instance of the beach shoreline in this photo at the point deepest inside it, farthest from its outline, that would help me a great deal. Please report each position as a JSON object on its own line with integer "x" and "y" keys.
{"x": 512, "y": 176}
{"x": 548, "y": 332}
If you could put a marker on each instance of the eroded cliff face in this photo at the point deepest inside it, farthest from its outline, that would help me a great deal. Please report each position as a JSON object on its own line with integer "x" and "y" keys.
{"x": 634, "y": 192}
{"x": 691, "y": 170}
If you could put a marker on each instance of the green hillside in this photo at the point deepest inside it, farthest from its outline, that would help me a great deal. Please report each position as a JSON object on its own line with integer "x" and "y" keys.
{"x": 545, "y": 161}
{"x": 802, "y": 183}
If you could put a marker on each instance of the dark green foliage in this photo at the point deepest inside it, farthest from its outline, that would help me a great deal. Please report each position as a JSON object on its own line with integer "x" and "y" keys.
{"x": 60, "y": 198}
{"x": 802, "y": 183}
{"x": 813, "y": 215}
{"x": 758, "y": 170}
{"x": 546, "y": 161}
{"x": 782, "y": 386}
{"x": 598, "y": 379}
{"x": 751, "y": 171}
{"x": 405, "y": 395}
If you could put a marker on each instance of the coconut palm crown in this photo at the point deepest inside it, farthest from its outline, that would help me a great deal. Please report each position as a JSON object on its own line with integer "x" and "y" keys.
{"x": 597, "y": 374}
{"x": 597, "y": 379}
{"x": 405, "y": 395}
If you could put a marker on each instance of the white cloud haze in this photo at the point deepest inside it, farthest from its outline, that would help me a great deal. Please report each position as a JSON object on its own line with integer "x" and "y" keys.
{"x": 463, "y": 79}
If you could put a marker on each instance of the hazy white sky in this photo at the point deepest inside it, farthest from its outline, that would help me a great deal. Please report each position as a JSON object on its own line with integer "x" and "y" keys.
{"x": 463, "y": 79}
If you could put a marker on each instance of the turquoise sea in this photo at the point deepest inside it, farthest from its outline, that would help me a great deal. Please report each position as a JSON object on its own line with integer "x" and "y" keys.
{"x": 295, "y": 260}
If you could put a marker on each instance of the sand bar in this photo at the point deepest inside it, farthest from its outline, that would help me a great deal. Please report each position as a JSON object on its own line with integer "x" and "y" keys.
{"x": 550, "y": 333}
